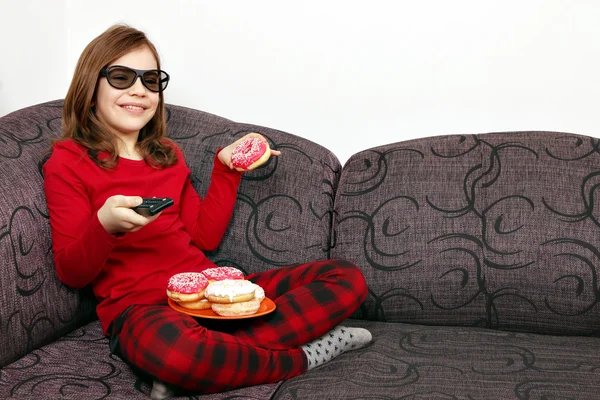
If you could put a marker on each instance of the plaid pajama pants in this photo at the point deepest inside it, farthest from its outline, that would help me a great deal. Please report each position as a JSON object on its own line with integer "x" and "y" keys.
{"x": 213, "y": 356}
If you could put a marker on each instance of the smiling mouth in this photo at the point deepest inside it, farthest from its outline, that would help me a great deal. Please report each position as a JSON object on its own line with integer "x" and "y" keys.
{"x": 135, "y": 108}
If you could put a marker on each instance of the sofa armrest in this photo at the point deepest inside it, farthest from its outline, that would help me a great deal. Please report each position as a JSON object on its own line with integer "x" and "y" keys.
{"x": 35, "y": 307}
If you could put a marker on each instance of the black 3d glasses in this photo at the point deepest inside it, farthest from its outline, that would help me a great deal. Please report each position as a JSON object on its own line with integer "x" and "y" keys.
{"x": 120, "y": 77}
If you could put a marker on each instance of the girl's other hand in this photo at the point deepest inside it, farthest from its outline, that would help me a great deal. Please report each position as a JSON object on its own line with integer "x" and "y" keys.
{"x": 225, "y": 153}
{"x": 117, "y": 216}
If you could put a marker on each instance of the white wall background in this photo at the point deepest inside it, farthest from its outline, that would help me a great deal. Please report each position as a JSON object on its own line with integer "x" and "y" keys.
{"x": 345, "y": 74}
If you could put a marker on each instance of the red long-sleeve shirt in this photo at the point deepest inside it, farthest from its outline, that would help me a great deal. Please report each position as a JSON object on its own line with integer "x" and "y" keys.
{"x": 133, "y": 268}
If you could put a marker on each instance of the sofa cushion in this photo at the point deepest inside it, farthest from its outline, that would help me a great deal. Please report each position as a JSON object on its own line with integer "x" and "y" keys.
{"x": 409, "y": 361}
{"x": 496, "y": 230}
{"x": 79, "y": 366}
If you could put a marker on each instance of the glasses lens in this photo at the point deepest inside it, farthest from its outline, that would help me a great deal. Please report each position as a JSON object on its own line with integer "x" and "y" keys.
{"x": 152, "y": 80}
{"x": 156, "y": 80}
{"x": 121, "y": 77}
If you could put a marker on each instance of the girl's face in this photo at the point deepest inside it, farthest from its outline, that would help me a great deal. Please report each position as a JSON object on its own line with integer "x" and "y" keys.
{"x": 127, "y": 111}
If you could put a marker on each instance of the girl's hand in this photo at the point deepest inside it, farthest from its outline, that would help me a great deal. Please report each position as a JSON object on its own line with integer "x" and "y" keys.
{"x": 117, "y": 216}
{"x": 225, "y": 153}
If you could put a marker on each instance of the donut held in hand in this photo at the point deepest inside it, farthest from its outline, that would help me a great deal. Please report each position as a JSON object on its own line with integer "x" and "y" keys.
{"x": 187, "y": 286}
{"x": 250, "y": 153}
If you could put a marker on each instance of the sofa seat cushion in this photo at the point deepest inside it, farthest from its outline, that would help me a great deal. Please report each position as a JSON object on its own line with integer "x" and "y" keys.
{"x": 438, "y": 362}
{"x": 80, "y": 366}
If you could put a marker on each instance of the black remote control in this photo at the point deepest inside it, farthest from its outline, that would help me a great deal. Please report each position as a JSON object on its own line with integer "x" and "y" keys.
{"x": 153, "y": 206}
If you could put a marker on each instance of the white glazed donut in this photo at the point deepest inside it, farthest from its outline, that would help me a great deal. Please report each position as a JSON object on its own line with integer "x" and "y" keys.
{"x": 230, "y": 291}
{"x": 259, "y": 293}
{"x": 236, "y": 309}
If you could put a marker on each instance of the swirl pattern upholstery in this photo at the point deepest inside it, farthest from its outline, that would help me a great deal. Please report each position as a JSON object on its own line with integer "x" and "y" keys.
{"x": 495, "y": 230}
{"x": 481, "y": 254}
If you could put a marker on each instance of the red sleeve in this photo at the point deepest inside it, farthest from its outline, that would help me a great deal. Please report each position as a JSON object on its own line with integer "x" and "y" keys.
{"x": 206, "y": 220}
{"x": 79, "y": 242}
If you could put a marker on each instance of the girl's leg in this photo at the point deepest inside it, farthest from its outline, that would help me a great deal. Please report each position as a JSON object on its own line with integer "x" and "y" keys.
{"x": 311, "y": 299}
{"x": 175, "y": 349}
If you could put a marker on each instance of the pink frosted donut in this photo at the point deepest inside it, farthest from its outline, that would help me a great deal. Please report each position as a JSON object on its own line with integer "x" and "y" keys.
{"x": 187, "y": 286}
{"x": 222, "y": 273}
{"x": 250, "y": 153}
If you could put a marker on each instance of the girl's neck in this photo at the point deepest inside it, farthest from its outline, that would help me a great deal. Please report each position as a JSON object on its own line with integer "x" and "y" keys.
{"x": 132, "y": 154}
{"x": 128, "y": 148}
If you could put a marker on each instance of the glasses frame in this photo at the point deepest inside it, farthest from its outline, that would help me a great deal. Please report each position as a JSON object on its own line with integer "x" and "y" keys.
{"x": 138, "y": 73}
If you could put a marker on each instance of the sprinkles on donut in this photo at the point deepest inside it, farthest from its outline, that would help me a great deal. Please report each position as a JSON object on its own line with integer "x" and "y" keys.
{"x": 222, "y": 273}
{"x": 250, "y": 153}
{"x": 187, "y": 286}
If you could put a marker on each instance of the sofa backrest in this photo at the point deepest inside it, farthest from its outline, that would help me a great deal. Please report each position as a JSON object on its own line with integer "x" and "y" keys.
{"x": 283, "y": 216}
{"x": 496, "y": 230}
{"x": 284, "y": 208}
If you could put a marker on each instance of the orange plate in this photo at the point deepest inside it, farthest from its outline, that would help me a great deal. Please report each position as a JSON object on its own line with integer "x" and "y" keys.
{"x": 266, "y": 306}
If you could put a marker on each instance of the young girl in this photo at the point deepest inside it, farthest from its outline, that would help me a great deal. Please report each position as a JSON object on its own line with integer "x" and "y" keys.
{"x": 113, "y": 153}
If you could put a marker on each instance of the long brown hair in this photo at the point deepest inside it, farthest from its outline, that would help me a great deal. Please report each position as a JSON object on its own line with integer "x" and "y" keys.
{"x": 79, "y": 119}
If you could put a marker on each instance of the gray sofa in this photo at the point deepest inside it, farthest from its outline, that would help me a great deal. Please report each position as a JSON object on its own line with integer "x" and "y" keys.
{"x": 481, "y": 253}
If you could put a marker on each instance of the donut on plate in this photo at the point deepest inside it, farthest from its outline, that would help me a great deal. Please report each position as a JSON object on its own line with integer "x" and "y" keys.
{"x": 250, "y": 153}
{"x": 230, "y": 291}
{"x": 222, "y": 273}
{"x": 234, "y": 297}
{"x": 187, "y": 286}
{"x": 236, "y": 309}
{"x": 202, "y": 304}
{"x": 259, "y": 293}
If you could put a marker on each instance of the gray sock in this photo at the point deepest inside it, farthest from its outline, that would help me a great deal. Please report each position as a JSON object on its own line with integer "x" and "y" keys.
{"x": 337, "y": 341}
{"x": 160, "y": 391}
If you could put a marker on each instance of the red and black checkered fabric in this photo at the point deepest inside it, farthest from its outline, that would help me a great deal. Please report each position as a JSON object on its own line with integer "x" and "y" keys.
{"x": 213, "y": 355}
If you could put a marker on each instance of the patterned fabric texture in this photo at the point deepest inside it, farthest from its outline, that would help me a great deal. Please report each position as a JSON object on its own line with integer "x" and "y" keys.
{"x": 417, "y": 362}
{"x": 79, "y": 366}
{"x": 454, "y": 234}
{"x": 284, "y": 208}
{"x": 493, "y": 230}
{"x": 35, "y": 308}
